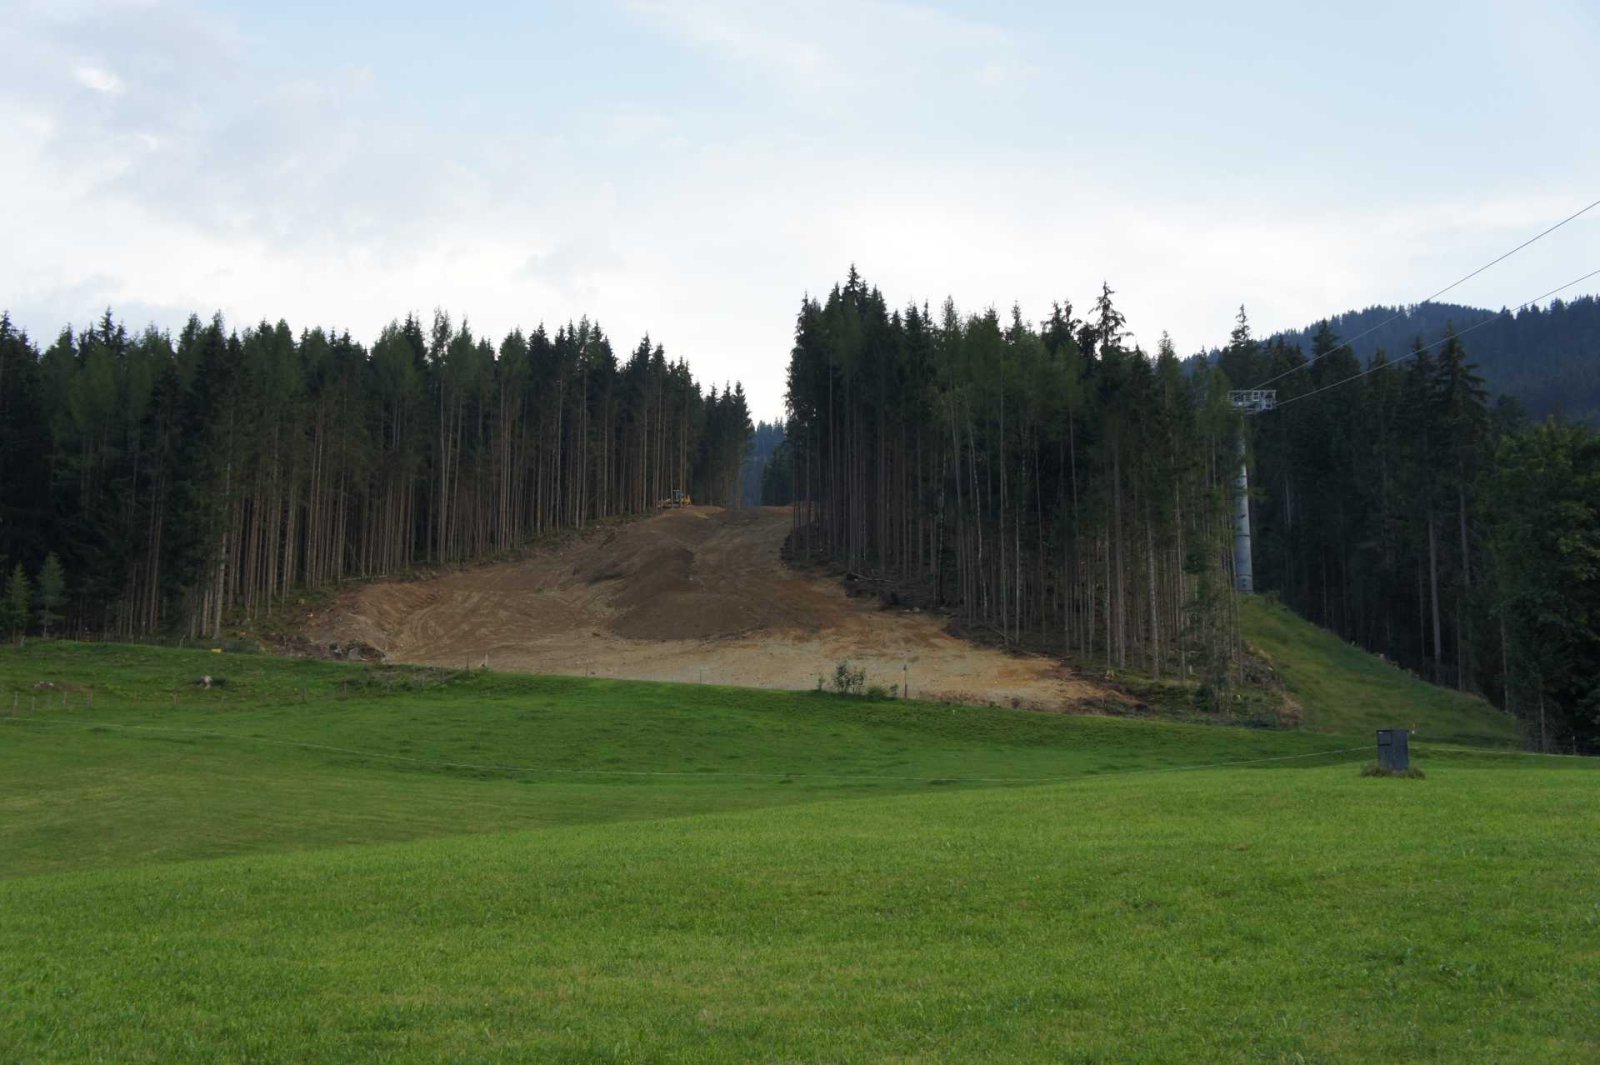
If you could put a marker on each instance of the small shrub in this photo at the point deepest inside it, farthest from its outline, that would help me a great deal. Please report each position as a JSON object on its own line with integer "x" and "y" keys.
{"x": 386, "y": 679}
{"x": 847, "y": 681}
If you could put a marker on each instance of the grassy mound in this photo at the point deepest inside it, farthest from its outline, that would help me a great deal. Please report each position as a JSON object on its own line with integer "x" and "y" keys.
{"x": 1343, "y": 689}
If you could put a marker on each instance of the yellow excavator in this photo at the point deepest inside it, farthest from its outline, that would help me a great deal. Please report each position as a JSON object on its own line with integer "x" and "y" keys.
{"x": 678, "y": 498}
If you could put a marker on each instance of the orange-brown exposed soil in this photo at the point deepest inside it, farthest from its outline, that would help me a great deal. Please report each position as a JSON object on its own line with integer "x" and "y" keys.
{"x": 697, "y": 595}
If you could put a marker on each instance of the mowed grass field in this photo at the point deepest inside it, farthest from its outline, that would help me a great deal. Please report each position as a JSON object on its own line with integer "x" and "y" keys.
{"x": 344, "y": 863}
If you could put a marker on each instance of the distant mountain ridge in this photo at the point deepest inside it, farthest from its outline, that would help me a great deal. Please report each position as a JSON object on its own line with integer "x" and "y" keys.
{"x": 1548, "y": 358}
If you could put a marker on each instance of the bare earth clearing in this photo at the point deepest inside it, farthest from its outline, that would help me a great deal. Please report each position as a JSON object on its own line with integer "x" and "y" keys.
{"x": 693, "y": 595}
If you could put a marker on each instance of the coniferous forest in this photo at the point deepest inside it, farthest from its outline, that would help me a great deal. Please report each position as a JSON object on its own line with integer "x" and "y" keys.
{"x": 1547, "y": 358}
{"x": 170, "y": 482}
{"x": 764, "y": 443}
{"x": 1398, "y": 506}
{"x": 1052, "y": 485}
{"x": 1061, "y": 488}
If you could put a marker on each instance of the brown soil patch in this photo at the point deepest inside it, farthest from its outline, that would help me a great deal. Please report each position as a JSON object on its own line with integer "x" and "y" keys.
{"x": 692, "y": 595}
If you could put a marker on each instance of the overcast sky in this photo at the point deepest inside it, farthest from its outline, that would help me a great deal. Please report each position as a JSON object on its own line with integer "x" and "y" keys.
{"x": 691, "y": 169}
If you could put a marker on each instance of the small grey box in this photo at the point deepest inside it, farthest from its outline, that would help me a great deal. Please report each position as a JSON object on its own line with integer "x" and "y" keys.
{"x": 1394, "y": 749}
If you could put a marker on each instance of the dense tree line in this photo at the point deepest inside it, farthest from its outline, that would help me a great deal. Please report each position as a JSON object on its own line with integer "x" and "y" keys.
{"x": 1052, "y": 485}
{"x": 1397, "y": 506}
{"x": 181, "y": 479}
{"x": 1547, "y": 358}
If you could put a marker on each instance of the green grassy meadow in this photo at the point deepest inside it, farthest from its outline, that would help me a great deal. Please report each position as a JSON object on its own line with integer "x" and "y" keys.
{"x": 321, "y": 862}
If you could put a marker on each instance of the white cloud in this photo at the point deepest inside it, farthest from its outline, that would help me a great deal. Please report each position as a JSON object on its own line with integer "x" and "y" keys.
{"x": 845, "y": 49}
{"x": 765, "y": 37}
{"x": 92, "y": 77}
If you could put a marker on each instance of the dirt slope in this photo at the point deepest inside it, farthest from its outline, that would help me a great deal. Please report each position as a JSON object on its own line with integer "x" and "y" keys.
{"x": 698, "y": 594}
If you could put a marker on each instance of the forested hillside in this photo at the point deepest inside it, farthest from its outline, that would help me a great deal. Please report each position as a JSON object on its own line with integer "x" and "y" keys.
{"x": 1547, "y": 358}
{"x": 1396, "y": 506}
{"x": 1048, "y": 484}
{"x": 764, "y": 444}
{"x": 173, "y": 480}
{"x": 1060, "y": 488}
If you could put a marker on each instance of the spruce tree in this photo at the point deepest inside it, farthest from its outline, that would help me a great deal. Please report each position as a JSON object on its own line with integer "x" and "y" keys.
{"x": 52, "y": 594}
{"x": 15, "y": 606}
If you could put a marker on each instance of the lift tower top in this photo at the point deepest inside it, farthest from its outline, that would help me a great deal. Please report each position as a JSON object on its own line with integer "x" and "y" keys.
{"x": 1254, "y": 400}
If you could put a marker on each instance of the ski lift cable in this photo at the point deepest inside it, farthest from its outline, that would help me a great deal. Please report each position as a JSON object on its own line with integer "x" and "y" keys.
{"x": 1437, "y": 343}
{"x": 1442, "y": 291}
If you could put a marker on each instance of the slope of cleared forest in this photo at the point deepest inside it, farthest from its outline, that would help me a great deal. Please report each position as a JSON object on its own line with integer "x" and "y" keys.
{"x": 1341, "y": 688}
{"x": 702, "y": 595}
{"x": 698, "y": 595}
